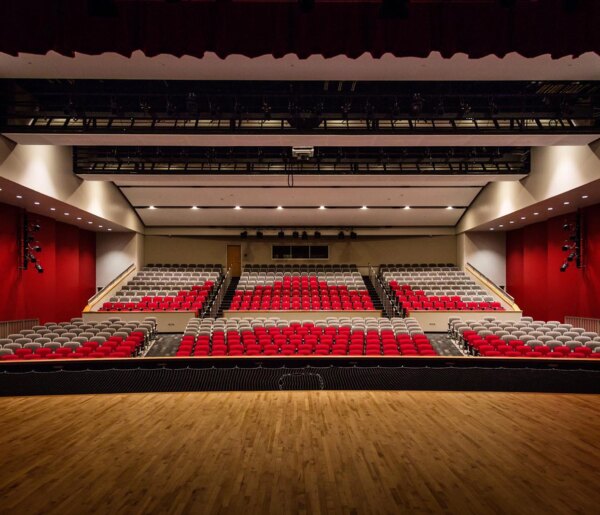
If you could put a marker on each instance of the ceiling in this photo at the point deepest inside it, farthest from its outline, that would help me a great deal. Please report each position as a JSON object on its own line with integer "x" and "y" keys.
{"x": 347, "y": 201}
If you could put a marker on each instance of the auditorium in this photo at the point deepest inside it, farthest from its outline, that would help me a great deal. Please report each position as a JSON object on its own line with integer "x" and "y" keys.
{"x": 300, "y": 256}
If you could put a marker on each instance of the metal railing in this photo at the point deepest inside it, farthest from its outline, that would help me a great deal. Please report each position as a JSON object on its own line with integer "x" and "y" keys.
{"x": 589, "y": 324}
{"x": 504, "y": 295}
{"x": 389, "y": 306}
{"x": 110, "y": 285}
{"x": 14, "y": 326}
{"x": 214, "y": 306}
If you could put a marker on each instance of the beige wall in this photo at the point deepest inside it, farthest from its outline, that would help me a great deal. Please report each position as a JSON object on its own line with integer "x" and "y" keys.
{"x": 486, "y": 251}
{"x": 48, "y": 170}
{"x": 554, "y": 170}
{"x": 115, "y": 252}
{"x": 364, "y": 251}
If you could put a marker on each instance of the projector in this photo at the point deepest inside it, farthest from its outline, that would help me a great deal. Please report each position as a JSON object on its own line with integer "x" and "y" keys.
{"x": 303, "y": 153}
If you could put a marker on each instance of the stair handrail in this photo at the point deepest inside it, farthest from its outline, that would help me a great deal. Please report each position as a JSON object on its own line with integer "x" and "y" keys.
{"x": 103, "y": 291}
{"x": 504, "y": 295}
{"x": 218, "y": 298}
{"x": 388, "y": 305}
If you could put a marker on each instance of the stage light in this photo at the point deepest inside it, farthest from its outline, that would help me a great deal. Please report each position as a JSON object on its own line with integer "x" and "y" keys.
{"x": 244, "y": 234}
{"x": 37, "y": 248}
{"x": 295, "y": 234}
{"x": 571, "y": 256}
{"x": 564, "y": 267}
{"x": 191, "y": 103}
{"x": 35, "y": 228}
{"x": 353, "y": 235}
{"x": 304, "y": 235}
{"x": 32, "y": 258}
{"x": 341, "y": 235}
{"x": 39, "y": 268}
{"x": 464, "y": 110}
{"x": 566, "y": 247}
{"x": 566, "y": 227}
{"x": 317, "y": 234}
{"x": 416, "y": 105}
{"x": 281, "y": 235}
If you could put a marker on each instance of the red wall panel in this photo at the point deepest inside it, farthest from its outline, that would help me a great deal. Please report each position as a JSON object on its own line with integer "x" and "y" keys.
{"x": 69, "y": 260}
{"x": 533, "y": 261}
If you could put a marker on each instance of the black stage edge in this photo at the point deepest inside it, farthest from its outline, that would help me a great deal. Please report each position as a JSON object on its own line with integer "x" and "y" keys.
{"x": 232, "y": 374}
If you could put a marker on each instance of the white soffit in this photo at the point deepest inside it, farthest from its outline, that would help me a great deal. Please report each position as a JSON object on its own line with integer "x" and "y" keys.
{"x": 317, "y": 140}
{"x": 459, "y": 67}
{"x": 317, "y": 181}
{"x": 300, "y": 197}
{"x": 260, "y": 217}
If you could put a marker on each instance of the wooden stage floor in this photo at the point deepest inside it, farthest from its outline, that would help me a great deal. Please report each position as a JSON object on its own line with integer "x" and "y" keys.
{"x": 301, "y": 452}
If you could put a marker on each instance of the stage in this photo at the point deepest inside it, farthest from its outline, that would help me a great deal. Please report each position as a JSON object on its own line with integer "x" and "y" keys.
{"x": 172, "y": 374}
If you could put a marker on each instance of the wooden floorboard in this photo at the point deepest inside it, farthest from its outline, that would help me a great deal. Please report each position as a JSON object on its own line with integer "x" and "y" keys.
{"x": 301, "y": 452}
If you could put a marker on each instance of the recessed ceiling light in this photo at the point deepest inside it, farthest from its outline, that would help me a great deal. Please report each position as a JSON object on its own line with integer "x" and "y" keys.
{"x": 66, "y": 214}
{"x": 151, "y": 207}
{"x": 406, "y": 207}
{"x": 364, "y": 207}
{"x": 550, "y": 208}
{"x": 109, "y": 229}
{"x": 36, "y": 203}
{"x": 321, "y": 207}
{"x": 584, "y": 196}
{"x": 566, "y": 203}
{"x": 449, "y": 207}
{"x": 491, "y": 228}
{"x": 52, "y": 209}
{"x": 90, "y": 223}
{"x": 523, "y": 217}
{"x": 279, "y": 208}
{"x": 78, "y": 218}
{"x": 194, "y": 207}
{"x": 100, "y": 226}
{"x": 19, "y": 196}
{"x": 511, "y": 222}
{"x": 535, "y": 214}
{"x": 237, "y": 208}
{"x": 501, "y": 225}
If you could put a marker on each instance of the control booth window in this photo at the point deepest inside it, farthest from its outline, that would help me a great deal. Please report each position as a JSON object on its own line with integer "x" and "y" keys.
{"x": 300, "y": 252}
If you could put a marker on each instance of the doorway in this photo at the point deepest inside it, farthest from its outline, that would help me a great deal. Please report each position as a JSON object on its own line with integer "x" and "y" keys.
{"x": 234, "y": 260}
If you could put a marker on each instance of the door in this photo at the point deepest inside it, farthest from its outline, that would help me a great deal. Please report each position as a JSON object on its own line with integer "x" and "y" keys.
{"x": 234, "y": 259}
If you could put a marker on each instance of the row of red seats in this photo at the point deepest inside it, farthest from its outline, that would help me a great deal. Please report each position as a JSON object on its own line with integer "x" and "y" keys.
{"x": 114, "y": 347}
{"x": 417, "y": 301}
{"x": 248, "y": 344}
{"x": 153, "y": 306}
{"x": 452, "y": 306}
{"x": 493, "y": 345}
{"x": 186, "y": 300}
